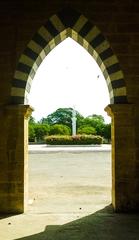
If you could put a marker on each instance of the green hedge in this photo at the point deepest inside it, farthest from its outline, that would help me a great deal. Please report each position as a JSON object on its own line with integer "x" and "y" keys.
{"x": 74, "y": 140}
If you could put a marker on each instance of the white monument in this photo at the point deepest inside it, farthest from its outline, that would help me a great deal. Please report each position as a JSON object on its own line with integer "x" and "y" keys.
{"x": 74, "y": 122}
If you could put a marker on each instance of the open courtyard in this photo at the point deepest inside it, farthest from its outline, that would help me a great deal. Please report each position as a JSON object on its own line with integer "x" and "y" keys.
{"x": 69, "y": 181}
{"x": 69, "y": 198}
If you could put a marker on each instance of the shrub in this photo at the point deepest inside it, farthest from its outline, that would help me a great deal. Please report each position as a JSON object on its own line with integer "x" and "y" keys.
{"x": 59, "y": 129}
{"x": 88, "y": 130}
{"x": 74, "y": 140}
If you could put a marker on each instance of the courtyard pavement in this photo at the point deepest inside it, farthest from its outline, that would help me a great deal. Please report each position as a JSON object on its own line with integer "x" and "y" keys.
{"x": 69, "y": 198}
{"x": 42, "y": 148}
{"x": 69, "y": 180}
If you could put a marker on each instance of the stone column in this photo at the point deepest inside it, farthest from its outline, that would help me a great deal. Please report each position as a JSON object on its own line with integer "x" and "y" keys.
{"x": 124, "y": 177}
{"x": 13, "y": 160}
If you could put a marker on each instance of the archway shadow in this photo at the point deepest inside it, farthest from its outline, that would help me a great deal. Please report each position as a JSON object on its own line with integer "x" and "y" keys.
{"x": 102, "y": 225}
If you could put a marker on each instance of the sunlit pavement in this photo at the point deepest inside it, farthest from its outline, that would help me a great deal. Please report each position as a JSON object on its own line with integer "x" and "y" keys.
{"x": 69, "y": 180}
{"x": 69, "y": 198}
{"x": 36, "y": 148}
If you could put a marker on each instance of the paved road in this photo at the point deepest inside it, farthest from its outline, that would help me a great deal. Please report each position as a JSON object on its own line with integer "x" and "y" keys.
{"x": 73, "y": 181}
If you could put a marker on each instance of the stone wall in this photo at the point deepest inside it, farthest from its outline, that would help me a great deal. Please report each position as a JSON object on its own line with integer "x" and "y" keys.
{"x": 119, "y": 23}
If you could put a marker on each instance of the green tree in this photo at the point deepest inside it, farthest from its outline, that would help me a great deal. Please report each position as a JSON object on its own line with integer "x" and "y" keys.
{"x": 87, "y": 129}
{"x": 107, "y": 132}
{"x": 97, "y": 117}
{"x": 43, "y": 121}
{"x": 31, "y": 129}
{"x": 59, "y": 129}
{"x": 62, "y": 116}
{"x": 32, "y": 120}
{"x": 95, "y": 121}
{"x": 41, "y": 131}
{"x": 31, "y": 132}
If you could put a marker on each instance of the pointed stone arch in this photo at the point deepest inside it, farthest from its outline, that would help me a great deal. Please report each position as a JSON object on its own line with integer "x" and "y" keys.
{"x": 68, "y": 23}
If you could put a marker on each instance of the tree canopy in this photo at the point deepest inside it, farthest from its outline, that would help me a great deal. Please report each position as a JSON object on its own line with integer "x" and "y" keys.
{"x": 61, "y": 116}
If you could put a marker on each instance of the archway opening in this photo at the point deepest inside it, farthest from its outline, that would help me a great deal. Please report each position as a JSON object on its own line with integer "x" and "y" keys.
{"x": 75, "y": 181}
{"x": 67, "y": 23}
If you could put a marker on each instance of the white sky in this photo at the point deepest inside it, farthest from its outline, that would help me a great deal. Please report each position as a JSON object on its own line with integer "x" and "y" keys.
{"x": 68, "y": 77}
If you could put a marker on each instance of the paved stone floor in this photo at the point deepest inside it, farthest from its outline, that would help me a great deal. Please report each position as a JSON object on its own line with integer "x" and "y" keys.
{"x": 69, "y": 199}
